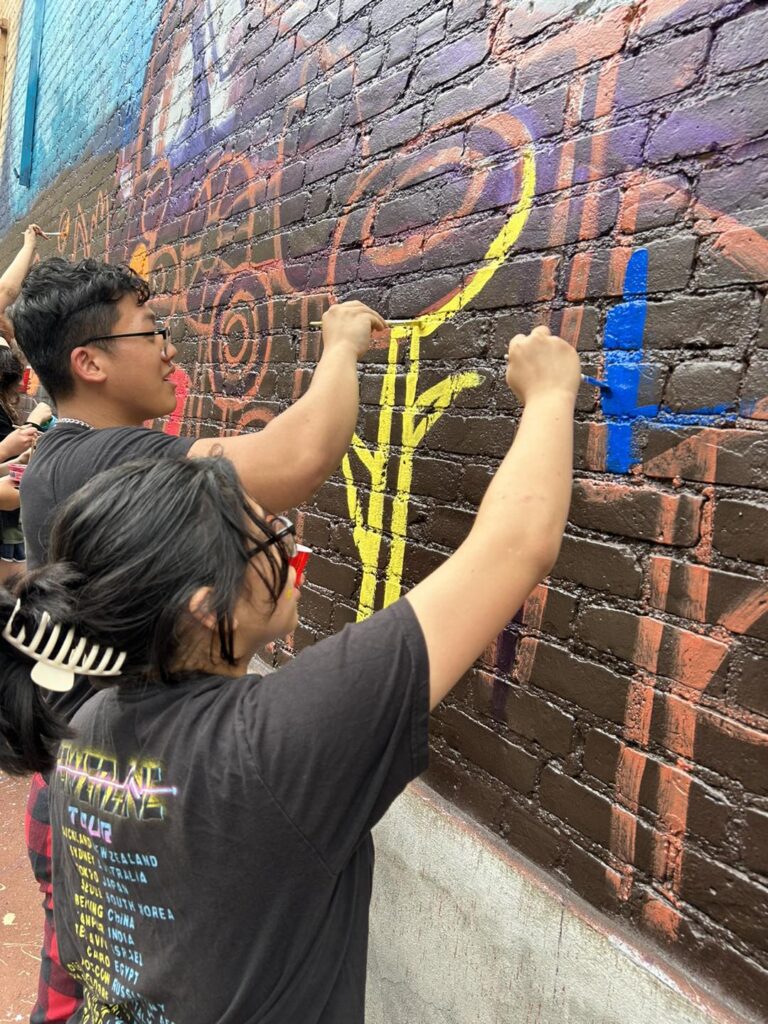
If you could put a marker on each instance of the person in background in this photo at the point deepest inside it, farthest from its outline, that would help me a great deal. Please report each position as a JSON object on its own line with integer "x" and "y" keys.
{"x": 19, "y": 426}
{"x": 16, "y": 440}
{"x": 192, "y": 801}
{"x": 94, "y": 340}
{"x": 13, "y": 278}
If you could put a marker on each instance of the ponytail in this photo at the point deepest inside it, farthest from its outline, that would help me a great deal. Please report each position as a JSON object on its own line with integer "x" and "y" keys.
{"x": 30, "y": 729}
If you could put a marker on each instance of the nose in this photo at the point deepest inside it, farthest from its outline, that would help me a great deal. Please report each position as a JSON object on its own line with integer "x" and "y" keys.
{"x": 169, "y": 351}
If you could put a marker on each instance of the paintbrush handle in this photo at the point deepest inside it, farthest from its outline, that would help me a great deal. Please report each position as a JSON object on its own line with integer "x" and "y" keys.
{"x": 595, "y": 382}
{"x": 389, "y": 323}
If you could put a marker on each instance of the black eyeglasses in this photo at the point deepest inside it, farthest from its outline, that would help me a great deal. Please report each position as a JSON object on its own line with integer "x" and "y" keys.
{"x": 162, "y": 331}
{"x": 287, "y": 534}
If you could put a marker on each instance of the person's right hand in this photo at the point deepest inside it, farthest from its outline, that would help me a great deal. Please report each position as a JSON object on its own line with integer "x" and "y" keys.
{"x": 351, "y": 324}
{"x": 540, "y": 363}
{"x": 32, "y": 234}
{"x": 18, "y": 441}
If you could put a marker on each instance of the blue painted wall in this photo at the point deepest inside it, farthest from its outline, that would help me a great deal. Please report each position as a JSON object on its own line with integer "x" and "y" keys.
{"x": 75, "y": 117}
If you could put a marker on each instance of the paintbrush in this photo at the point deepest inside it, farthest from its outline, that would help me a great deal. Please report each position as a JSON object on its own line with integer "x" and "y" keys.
{"x": 596, "y": 383}
{"x": 389, "y": 323}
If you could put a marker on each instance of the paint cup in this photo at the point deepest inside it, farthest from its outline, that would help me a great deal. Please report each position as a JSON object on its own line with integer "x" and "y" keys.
{"x": 16, "y": 471}
{"x": 299, "y": 562}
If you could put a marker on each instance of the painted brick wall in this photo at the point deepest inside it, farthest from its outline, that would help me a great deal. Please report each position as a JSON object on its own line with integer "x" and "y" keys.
{"x": 483, "y": 167}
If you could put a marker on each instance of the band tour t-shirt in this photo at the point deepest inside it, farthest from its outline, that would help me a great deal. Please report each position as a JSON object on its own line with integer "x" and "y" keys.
{"x": 212, "y": 838}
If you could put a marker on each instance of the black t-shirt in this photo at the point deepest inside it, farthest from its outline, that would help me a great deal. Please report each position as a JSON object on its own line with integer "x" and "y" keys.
{"x": 67, "y": 457}
{"x": 212, "y": 839}
{"x": 9, "y": 519}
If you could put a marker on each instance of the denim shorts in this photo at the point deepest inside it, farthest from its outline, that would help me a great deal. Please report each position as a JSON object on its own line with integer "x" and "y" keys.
{"x": 12, "y": 553}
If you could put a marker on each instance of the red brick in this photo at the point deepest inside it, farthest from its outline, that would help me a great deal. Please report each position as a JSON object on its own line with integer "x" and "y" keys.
{"x": 450, "y": 61}
{"x": 506, "y": 761}
{"x": 711, "y": 455}
{"x": 584, "y": 683}
{"x": 599, "y": 566}
{"x": 695, "y": 660}
{"x": 636, "y": 511}
{"x": 487, "y": 89}
{"x": 601, "y": 755}
{"x": 590, "y": 877}
{"x": 727, "y": 746}
{"x": 703, "y": 385}
{"x": 730, "y": 118}
{"x": 550, "y": 611}
{"x": 661, "y": 70}
{"x": 524, "y": 713}
{"x": 756, "y": 841}
{"x": 728, "y": 896}
{"x": 704, "y": 594}
{"x": 574, "y": 48}
{"x": 734, "y": 46}
{"x": 576, "y": 805}
{"x": 741, "y": 530}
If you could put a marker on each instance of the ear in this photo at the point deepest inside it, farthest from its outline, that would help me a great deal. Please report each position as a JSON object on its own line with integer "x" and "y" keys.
{"x": 199, "y": 605}
{"x": 198, "y": 608}
{"x": 88, "y": 364}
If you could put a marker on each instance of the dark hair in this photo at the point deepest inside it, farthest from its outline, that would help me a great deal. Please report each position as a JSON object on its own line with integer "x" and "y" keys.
{"x": 11, "y": 373}
{"x": 128, "y": 551}
{"x": 61, "y": 304}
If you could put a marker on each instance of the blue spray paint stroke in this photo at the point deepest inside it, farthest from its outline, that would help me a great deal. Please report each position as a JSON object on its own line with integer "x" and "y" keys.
{"x": 625, "y": 370}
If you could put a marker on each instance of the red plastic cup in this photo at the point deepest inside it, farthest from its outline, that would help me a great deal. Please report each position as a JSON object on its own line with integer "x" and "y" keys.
{"x": 16, "y": 471}
{"x": 299, "y": 562}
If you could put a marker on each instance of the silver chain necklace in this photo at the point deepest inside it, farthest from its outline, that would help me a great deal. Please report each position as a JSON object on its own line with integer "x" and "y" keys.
{"x": 71, "y": 419}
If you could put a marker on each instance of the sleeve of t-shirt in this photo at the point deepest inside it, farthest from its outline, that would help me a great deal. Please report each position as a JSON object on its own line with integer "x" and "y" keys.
{"x": 340, "y": 732}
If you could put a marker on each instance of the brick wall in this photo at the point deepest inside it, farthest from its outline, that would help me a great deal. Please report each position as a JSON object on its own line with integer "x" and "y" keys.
{"x": 487, "y": 166}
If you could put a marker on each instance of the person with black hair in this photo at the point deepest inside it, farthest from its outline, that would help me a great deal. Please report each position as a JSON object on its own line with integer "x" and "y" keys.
{"x": 93, "y": 338}
{"x": 16, "y": 436}
{"x": 211, "y": 840}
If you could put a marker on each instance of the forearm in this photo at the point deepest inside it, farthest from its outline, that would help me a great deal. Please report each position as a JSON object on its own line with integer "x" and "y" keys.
{"x": 13, "y": 278}
{"x": 512, "y": 545}
{"x": 284, "y": 464}
{"x": 526, "y": 505}
{"x": 321, "y": 423}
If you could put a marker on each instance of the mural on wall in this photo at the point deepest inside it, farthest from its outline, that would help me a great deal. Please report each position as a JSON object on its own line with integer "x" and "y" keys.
{"x": 271, "y": 166}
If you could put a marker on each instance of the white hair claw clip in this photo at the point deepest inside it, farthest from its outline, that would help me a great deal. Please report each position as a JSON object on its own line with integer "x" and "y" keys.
{"x": 73, "y": 655}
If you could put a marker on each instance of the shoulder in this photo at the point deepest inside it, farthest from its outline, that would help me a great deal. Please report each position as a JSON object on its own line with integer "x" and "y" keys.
{"x": 97, "y": 450}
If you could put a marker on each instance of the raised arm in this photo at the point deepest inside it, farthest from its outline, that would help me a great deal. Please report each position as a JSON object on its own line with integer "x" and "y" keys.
{"x": 516, "y": 536}
{"x": 12, "y": 279}
{"x": 282, "y": 465}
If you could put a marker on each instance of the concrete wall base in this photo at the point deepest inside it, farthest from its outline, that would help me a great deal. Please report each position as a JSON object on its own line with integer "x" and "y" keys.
{"x": 463, "y": 931}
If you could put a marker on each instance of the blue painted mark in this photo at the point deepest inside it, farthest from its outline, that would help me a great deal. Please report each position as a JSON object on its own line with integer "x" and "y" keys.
{"x": 626, "y": 371}
{"x": 73, "y": 117}
{"x": 30, "y": 105}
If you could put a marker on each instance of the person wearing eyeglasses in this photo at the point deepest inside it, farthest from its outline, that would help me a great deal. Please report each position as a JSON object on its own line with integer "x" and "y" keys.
{"x": 92, "y": 336}
{"x": 212, "y": 848}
